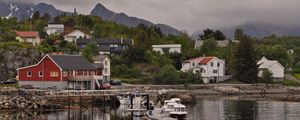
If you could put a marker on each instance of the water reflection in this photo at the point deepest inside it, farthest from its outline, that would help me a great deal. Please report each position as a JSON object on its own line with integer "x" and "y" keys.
{"x": 204, "y": 109}
{"x": 220, "y": 109}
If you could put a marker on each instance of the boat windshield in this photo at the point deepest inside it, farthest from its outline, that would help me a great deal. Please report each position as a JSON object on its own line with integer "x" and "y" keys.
{"x": 181, "y": 109}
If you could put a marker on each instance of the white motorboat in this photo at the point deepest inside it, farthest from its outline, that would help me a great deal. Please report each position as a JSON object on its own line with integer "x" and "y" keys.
{"x": 169, "y": 104}
{"x": 175, "y": 100}
{"x": 179, "y": 112}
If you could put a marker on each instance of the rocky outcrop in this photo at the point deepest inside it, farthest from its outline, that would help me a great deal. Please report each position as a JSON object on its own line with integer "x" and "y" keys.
{"x": 186, "y": 97}
{"x": 26, "y": 103}
{"x": 15, "y": 55}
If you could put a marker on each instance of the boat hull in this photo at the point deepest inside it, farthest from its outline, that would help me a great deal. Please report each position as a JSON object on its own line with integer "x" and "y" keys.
{"x": 178, "y": 116}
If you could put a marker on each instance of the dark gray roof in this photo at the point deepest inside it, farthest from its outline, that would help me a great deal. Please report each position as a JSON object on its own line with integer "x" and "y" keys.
{"x": 98, "y": 65}
{"x": 72, "y": 62}
{"x": 104, "y": 41}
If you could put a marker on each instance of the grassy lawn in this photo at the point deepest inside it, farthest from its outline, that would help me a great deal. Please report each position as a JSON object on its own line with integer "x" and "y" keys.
{"x": 296, "y": 75}
{"x": 290, "y": 83}
{"x": 131, "y": 80}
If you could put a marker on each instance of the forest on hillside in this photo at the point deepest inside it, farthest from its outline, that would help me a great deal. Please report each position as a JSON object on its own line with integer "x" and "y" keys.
{"x": 139, "y": 64}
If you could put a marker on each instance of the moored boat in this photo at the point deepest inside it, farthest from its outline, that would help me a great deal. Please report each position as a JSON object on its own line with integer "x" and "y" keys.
{"x": 179, "y": 112}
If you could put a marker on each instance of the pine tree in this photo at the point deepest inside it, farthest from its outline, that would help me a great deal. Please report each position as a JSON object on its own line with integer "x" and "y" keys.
{"x": 245, "y": 61}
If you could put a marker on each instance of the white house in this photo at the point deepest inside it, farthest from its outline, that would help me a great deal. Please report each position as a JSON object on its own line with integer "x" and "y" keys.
{"x": 273, "y": 66}
{"x": 54, "y": 29}
{"x": 105, "y": 61}
{"x": 76, "y": 34}
{"x": 28, "y": 36}
{"x": 212, "y": 69}
{"x": 170, "y": 48}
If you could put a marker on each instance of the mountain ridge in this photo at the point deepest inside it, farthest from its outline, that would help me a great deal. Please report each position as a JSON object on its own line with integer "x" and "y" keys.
{"x": 257, "y": 29}
{"x": 129, "y": 21}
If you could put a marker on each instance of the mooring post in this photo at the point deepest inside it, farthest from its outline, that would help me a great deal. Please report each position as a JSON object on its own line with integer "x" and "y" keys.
{"x": 80, "y": 112}
{"x": 147, "y": 101}
{"x": 92, "y": 107}
{"x": 131, "y": 101}
{"x": 80, "y": 102}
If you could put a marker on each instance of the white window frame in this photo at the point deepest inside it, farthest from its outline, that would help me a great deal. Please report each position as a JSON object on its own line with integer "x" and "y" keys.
{"x": 40, "y": 74}
{"x": 28, "y": 73}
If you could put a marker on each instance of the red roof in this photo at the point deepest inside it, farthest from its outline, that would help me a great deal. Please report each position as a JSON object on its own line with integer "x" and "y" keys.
{"x": 27, "y": 34}
{"x": 205, "y": 60}
{"x": 201, "y": 60}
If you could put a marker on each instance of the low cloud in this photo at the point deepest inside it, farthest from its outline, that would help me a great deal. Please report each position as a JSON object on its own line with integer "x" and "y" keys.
{"x": 194, "y": 15}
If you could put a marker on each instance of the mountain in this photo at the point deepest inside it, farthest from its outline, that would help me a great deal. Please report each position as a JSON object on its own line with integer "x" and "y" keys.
{"x": 25, "y": 10}
{"x": 258, "y": 29}
{"x": 122, "y": 18}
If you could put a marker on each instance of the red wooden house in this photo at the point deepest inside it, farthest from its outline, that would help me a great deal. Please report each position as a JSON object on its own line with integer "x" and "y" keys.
{"x": 61, "y": 71}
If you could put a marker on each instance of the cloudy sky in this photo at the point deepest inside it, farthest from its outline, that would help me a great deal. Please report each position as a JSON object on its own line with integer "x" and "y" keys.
{"x": 194, "y": 15}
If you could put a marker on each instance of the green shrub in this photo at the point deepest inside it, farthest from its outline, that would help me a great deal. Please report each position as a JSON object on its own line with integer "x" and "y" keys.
{"x": 290, "y": 83}
{"x": 295, "y": 71}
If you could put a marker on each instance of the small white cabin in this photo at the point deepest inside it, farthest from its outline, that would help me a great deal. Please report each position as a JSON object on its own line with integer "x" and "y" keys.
{"x": 76, "y": 34}
{"x": 273, "y": 66}
{"x": 54, "y": 29}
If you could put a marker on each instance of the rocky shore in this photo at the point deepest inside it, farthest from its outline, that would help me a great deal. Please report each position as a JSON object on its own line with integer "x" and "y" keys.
{"x": 26, "y": 103}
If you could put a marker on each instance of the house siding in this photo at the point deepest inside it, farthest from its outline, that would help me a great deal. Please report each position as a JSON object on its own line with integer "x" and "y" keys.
{"x": 46, "y": 66}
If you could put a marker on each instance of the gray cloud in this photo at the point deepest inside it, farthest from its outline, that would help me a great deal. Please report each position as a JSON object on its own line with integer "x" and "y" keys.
{"x": 194, "y": 15}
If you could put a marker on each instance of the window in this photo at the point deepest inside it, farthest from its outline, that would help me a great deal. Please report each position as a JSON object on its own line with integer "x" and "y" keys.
{"x": 193, "y": 64}
{"x": 218, "y": 64}
{"x": 105, "y": 70}
{"x": 41, "y": 74}
{"x": 212, "y": 64}
{"x": 29, "y": 73}
{"x": 215, "y": 71}
{"x": 105, "y": 63}
{"x": 65, "y": 73}
{"x": 53, "y": 74}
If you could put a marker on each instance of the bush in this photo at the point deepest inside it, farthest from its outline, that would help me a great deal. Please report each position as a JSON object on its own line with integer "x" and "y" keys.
{"x": 295, "y": 71}
{"x": 290, "y": 83}
{"x": 167, "y": 75}
{"x": 125, "y": 72}
{"x": 297, "y": 65}
{"x": 266, "y": 76}
{"x": 189, "y": 77}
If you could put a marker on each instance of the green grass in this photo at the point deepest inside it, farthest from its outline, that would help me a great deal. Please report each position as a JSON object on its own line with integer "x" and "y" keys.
{"x": 290, "y": 83}
{"x": 296, "y": 75}
{"x": 131, "y": 80}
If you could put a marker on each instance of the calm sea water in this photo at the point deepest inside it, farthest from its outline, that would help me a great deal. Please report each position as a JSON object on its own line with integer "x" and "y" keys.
{"x": 204, "y": 109}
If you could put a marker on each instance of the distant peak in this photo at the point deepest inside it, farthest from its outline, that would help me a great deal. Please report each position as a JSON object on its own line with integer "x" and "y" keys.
{"x": 45, "y": 5}
{"x": 99, "y": 5}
